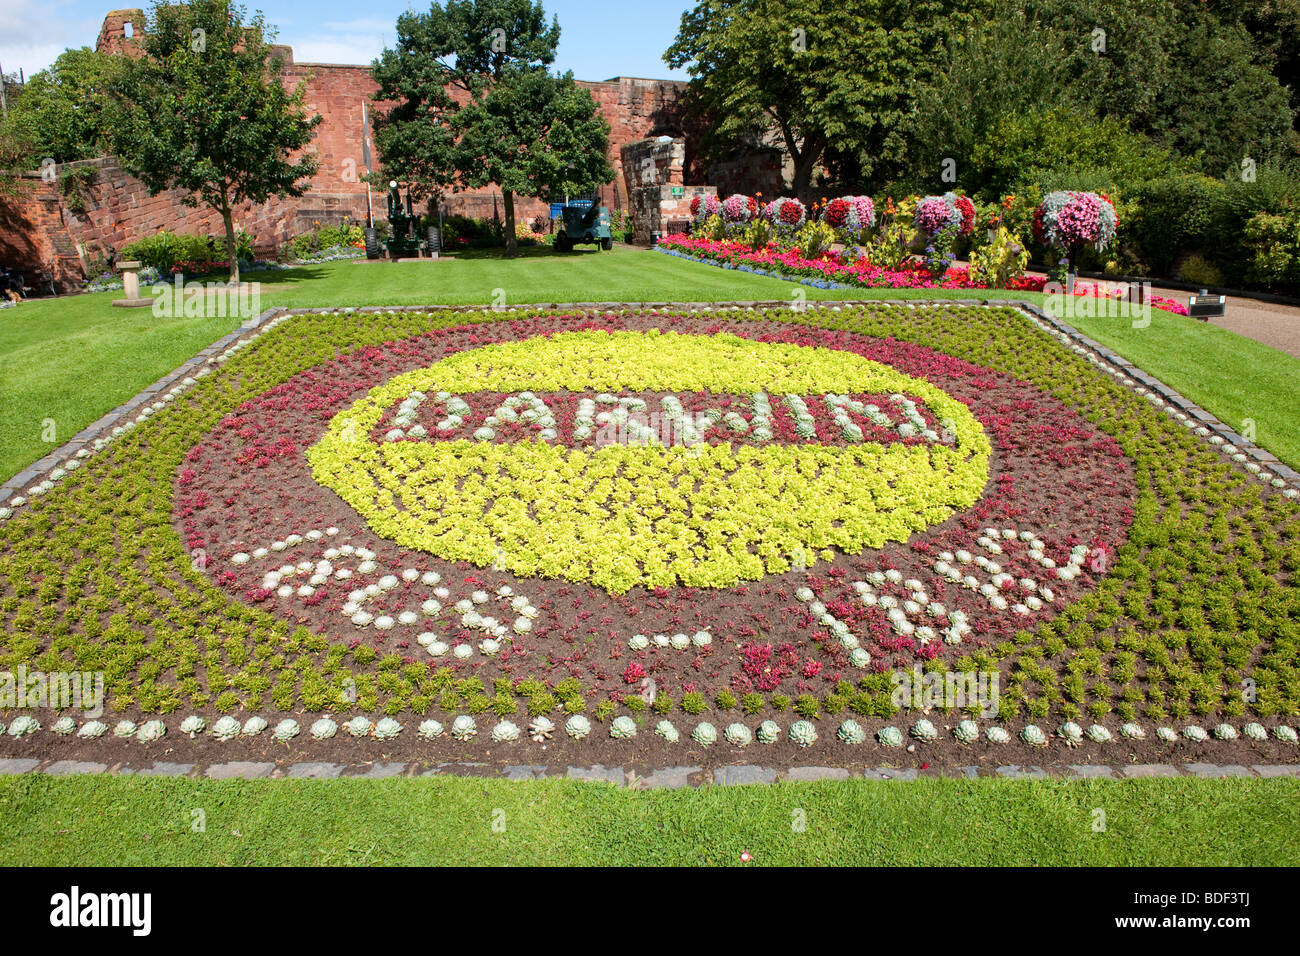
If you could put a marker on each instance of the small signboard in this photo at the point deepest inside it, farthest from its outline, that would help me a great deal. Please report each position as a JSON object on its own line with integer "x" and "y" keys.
{"x": 1205, "y": 306}
{"x": 679, "y": 192}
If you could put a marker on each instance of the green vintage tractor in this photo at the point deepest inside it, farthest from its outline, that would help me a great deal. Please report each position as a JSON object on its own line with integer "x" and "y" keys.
{"x": 584, "y": 222}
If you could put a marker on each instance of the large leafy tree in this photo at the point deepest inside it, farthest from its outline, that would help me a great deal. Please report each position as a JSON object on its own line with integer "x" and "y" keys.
{"x": 474, "y": 103}
{"x": 1191, "y": 78}
{"x": 816, "y": 74}
{"x": 63, "y": 111}
{"x": 204, "y": 110}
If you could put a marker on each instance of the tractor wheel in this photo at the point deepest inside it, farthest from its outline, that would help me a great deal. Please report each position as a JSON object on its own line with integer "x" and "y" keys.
{"x": 562, "y": 243}
{"x": 372, "y": 243}
{"x": 607, "y": 243}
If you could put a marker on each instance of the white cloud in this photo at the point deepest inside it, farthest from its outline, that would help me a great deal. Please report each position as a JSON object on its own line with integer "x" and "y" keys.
{"x": 339, "y": 41}
{"x": 33, "y": 34}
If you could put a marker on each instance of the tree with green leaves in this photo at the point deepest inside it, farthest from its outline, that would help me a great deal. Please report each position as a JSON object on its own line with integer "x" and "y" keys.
{"x": 474, "y": 104}
{"x": 63, "y": 112}
{"x": 817, "y": 74}
{"x": 204, "y": 110}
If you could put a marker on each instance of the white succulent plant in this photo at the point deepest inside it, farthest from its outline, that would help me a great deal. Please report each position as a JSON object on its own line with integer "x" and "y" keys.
{"x": 803, "y": 733}
{"x": 92, "y": 729}
{"x": 769, "y": 732}
{"x": 738, "y": 735}
{"x": 967, "y": 732}
{"x": 63, "y": 726}
{"x": 358, "y": 726}
{"x": 429, "y": 730}
{"x": 193, "y": 725}
{"x": 577, "y": 726}
{"x": 541, "y": 728}
{"x": 505, "y": 731}
{"x": 667, "y": 731}
{"x": 705, "y": 734}
{"x": 324, "y": 729}
{"x": 924, "y": 731}
{"x": 622, "y": 728}
{"x": 890, "y": 736}
{"x": 997, "y": 735}
{"x": 226, "y": 728}
{"x": 1099, "y": 734}
{"x": 851, "y": 732}
{"x": 1071, "y": 733}
{"x": 387, "y": 729}
{"x": 24, "y": 725}
{"x": 151, "y": 730}
{"x": 254, "y": 726}
{"x": 1033, "y": 736}
{"x": 286, "y": 730}
{"x": 125, "y": 728}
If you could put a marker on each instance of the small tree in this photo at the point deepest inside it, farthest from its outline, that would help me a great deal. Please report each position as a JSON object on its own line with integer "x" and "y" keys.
{"x": 204, "y": 110}
{"x": 474, "y": 104}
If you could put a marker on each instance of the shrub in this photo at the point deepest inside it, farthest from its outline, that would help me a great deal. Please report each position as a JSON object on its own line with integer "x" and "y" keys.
{"x": 1196, "y": 269}
{"x": 814, "y": 239}
{"x": 1173, "y": 215}
{"x": 167, "y": 250}
{"x": 702, "y": 207}
{"x": 757, "y": 234}
{"x": 935, "y": 213}
{"x": 1274, "y": 241}
{"x": 996, "y": 263}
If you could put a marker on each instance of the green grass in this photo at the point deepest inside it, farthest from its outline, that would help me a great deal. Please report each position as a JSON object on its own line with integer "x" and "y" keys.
{"x": 116, "y": 820}
{"x": 75, "y": 358}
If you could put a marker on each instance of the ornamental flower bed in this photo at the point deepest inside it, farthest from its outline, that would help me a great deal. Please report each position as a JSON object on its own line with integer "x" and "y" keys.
{"x": 834, "y": 270}
{"x": 479, "y": 532}
{"x": 739, "y": 209}
{"x": 950, "y": 211}
{"x": 1069, "y": 221}
{"x": 702, "y": 207}
{"x": 851, "y": 214}
{"x": 786, "y": 213}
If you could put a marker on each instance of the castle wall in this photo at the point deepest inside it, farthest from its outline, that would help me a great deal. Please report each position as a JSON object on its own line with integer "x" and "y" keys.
{"x": 40, "y": 229}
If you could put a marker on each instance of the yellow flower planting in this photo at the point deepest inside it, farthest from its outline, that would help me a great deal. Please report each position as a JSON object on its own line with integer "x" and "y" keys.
{"x": 625, "y": 515}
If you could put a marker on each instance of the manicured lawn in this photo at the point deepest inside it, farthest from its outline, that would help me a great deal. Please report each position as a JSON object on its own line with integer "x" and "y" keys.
{"x": 113, "y": 820}
{"x": 75, "y": 358}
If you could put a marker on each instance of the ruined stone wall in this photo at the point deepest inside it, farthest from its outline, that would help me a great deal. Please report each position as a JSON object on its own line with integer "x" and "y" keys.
{"x": 654, "y": 171}
{"x": 119, "y": 209}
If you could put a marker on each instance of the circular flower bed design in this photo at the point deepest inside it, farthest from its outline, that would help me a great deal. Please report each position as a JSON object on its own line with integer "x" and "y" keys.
{"x": 1121, "y": 569}
{"x": 657, "y": 500}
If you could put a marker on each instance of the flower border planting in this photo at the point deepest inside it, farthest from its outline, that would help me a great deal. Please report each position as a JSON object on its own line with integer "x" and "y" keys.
{"x": 831, "y": 271}
{"x": 1196, "y": 680}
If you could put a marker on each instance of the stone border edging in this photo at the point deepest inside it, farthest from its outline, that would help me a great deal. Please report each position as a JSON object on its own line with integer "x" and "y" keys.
{"x": 666, "y": 777}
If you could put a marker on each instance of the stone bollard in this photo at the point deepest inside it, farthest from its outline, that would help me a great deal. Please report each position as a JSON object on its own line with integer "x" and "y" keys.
{"x": 131, "y": 287}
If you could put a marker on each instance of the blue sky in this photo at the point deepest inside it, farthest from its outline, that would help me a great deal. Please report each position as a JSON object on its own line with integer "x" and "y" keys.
{"x": 597, "y": 39}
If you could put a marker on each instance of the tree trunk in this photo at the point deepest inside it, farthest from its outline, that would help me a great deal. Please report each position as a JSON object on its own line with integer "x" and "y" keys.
{"x": 229, "y": 220}
{"x": 805, "y": 161}
{"x": 512, "y": 244}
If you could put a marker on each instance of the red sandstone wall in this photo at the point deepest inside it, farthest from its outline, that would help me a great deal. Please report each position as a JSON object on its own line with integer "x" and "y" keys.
{"x": 41, "y": 232}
